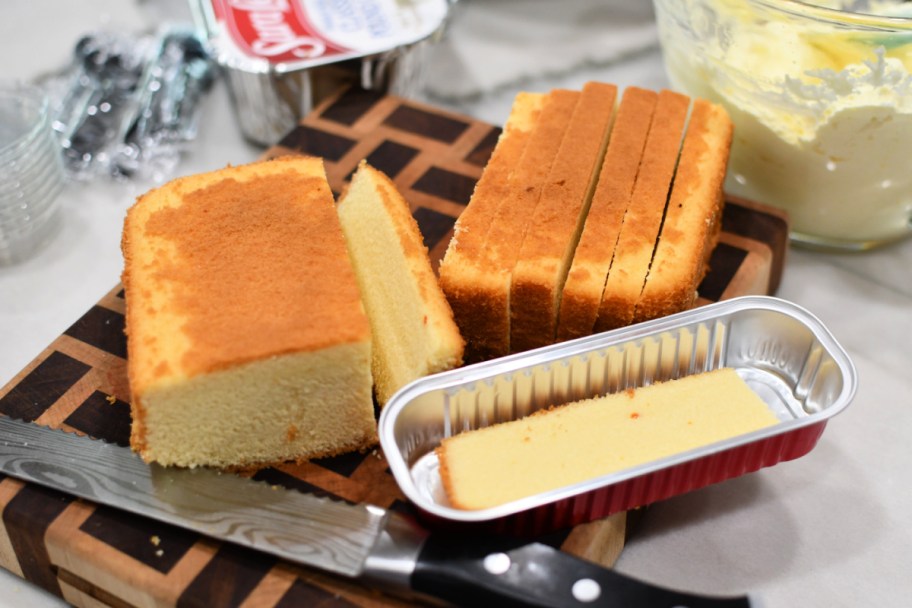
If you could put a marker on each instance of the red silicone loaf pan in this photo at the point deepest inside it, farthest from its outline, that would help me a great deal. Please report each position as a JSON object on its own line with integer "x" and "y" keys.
{"x": 783, "y": 352}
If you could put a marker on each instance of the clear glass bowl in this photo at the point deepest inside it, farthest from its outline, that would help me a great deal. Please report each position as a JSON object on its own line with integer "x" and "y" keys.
{"x": 31, "y": 172}
{"x": 821, "y": 98}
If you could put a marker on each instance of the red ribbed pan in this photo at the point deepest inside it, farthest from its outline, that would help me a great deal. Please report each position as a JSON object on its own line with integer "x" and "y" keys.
{"x": 782, "y": 351}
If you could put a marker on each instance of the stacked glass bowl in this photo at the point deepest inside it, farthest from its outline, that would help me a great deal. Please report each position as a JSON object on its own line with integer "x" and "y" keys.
{"x": 31, "y": 172}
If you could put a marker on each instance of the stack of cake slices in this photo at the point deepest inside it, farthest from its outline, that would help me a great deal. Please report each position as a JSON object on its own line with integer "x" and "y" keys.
{"x": 591, "y": 214}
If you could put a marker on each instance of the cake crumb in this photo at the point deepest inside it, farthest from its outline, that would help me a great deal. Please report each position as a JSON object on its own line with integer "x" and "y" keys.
{"x": 159, "y": 553}
{"x": 111, "y": 399}
{"x": 155, "y": 540}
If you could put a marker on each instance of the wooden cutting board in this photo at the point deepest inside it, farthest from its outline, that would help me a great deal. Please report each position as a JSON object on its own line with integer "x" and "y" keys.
{"x": 97, "y": 556}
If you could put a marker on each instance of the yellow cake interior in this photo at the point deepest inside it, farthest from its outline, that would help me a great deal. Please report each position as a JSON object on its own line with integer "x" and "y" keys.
{"x": 583, "y": 440}
{"x": 263, "y": 412}
{"x": 411, "y": 322}
{"x": 247, "y": 341}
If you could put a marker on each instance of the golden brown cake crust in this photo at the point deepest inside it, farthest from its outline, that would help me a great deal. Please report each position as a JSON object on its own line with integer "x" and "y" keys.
{"x": 636, "y": 242}
{"x": 694, "y": 215}
{"x": 553, "y": 265}
{"x": 477, "y": 281}
{"x": 539, "y": 275}
{"x": 221, "y": 270}
{"x": 255, "y": 252}
{"x": 463, "y": 266}
{"x": 528, "y": 178}
{"x": 511, "y": 222}
{"x": 591, "y": 262}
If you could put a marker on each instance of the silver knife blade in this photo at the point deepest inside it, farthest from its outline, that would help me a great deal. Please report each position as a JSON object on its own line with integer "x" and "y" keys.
{"x": 365, "y": 542}
{"x": 307, "y": 529}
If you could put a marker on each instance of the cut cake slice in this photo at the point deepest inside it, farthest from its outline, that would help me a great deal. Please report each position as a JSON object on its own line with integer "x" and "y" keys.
{"x": 547, "y": 249}
{"x": 464, "y": 270}
{"x": 693, "y": 218}
{"x": 512, "y": 220}
{"x": 247, "y": 341}
{"x": 582, "y": 293}
{"x": 642, "y": 221}
{"x": 581, "y": 441}
{"x": 411, "y": 322}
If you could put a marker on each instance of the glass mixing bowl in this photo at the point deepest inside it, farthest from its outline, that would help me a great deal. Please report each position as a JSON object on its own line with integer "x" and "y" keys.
{"x": 821, "y": 98}
{"x": 31, "y": 172}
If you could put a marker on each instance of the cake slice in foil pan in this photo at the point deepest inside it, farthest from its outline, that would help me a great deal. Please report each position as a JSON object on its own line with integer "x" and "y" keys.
{"x": 780, "y": 350}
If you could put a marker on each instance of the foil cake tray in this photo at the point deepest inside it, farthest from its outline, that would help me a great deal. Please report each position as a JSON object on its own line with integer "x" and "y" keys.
{"x": 783, "y": 352}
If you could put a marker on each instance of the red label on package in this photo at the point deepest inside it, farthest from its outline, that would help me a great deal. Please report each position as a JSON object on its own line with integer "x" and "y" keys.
{"x": 276, "y": 30}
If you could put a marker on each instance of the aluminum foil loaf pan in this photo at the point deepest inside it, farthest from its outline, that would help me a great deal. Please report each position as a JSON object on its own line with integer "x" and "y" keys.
{"x": 282, "y": 57}
{"x": 783, "y": 352}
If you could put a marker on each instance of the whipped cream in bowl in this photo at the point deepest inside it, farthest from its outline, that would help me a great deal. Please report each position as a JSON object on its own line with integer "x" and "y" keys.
{"x": 821, "y": 99}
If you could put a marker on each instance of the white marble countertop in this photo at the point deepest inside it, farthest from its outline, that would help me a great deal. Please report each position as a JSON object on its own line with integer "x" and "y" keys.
{"x": 829, "y": 529}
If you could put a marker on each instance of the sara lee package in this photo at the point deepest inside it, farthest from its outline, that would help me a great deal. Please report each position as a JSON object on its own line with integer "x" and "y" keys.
{"x": 281, "y": 57}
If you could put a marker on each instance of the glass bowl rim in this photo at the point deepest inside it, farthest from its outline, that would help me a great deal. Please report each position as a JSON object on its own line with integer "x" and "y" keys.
{"x": 835, "y": 16}
{"x": 20, "y": 92}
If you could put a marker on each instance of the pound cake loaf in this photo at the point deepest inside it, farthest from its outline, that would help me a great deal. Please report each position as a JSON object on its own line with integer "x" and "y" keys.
{"x": 247, "y": 341}
{"x": 567, "y": 239}
{"x": 464, "y": 271}
{"x": 554, "y": 230}
{"x": 585, "y": 284}
{"x": 513, "y": 220}
{"x": 693, "y": 218}
{"x": 643, "y": 218}
{"x": 411, "y": 322}
{"x": 572, "y": 443}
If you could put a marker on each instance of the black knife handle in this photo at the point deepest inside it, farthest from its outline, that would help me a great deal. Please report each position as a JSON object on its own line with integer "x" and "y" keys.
{"x": 489, "y": 572}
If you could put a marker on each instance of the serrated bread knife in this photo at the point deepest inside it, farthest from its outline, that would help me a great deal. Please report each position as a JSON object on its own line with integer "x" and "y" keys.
{"x": 379, "y": 547}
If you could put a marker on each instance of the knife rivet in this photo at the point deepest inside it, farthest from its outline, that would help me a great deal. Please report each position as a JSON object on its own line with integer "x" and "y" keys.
{"x": 497, "y": 563}
{"x": 586, "y": 590}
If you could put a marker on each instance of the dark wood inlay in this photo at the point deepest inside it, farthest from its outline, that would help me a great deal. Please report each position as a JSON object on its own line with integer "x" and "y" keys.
{"x": 724, "y": 264}
{"x": 103, "y": 417}
{"x": 152, "y": 543}
{"x": 102, "y": 328}
{"x": 434, "y": 225}
{"x": 350, "y": 107}
{"x": 427, "y": 124}
{"x": 26, "y": 518}
{"x": 391, "y": 157}
{"x": 43, "y": 386}
{"x": 315, "y": 142}
{"x": 447, "y": 185}
{"x": 227, "y": 579}
{"x": 482, "y": 152}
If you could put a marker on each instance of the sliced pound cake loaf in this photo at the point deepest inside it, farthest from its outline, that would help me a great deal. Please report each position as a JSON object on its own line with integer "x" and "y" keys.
{"x": 247, "y": 341}
{"x": 693, "y": 217}
{"x": 554, "y": 229}
{"x": 465, "y": 271}
{"x": 643, "y": 218}
{"x": 588, "y": 271}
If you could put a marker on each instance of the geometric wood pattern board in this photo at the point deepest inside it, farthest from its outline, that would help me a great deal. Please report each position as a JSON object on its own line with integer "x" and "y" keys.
{"x": 97, "y": 556}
